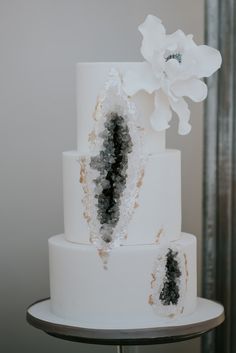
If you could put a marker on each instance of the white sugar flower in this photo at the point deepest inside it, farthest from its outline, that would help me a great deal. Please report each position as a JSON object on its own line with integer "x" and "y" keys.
{"x": 174, "y": 67}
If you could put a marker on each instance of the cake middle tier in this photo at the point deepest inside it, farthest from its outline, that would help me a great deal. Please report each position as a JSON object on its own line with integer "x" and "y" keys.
{"x": 156, "y": 212}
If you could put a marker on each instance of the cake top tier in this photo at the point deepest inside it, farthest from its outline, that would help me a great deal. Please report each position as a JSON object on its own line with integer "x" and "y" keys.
{"x": 92, "y": 81}
{"x": 173, "y": 69}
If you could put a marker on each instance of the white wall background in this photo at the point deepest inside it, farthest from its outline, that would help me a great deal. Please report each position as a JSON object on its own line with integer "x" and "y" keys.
{"x": 40, "y": 42}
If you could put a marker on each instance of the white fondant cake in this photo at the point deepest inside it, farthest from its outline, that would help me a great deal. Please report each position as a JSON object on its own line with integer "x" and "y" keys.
{"x": 123, "y": 261}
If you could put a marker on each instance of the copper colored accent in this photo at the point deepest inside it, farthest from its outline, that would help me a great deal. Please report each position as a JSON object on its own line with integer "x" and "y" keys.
{"x": 150, "y": 300}
{"x": 82, "y": 179}
{"x": 154, "y": 278}
{"x": 160, "y": 233}
{"x": 140, "y": 180}
{"x": 92, "y": 136}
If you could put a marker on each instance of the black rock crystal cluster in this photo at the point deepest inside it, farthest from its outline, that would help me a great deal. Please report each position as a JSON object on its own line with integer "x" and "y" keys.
{"x": 112, "y": 165}
{"x": 170, "y": 291}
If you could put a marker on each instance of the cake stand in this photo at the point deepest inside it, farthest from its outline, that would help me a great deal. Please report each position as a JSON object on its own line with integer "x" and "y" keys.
{"x": 206, "y": 317}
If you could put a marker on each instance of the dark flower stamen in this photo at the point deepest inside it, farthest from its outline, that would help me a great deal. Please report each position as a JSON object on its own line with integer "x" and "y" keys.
{"x": 176, "y": 56}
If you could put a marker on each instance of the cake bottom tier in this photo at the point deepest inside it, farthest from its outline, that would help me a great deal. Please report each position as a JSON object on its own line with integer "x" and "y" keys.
{"x": 142, "y": 285}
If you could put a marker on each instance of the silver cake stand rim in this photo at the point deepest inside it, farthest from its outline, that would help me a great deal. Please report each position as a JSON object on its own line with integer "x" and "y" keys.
{"x": 137, "y": 336}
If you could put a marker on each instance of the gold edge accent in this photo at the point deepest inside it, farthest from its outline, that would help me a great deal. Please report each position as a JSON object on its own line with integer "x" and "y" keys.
{"x": 83, "y": 181}
{"x": 159, "y": 234}
{"x": 97, "y": 108}
{"x": 150, "y": 300}
{"x": 92, "y": 136}
{"x": 140, "y": 179}
{"x": 104, "y": 255}
{"x": 83, "y": 173}
{"x": 154, "y": 278}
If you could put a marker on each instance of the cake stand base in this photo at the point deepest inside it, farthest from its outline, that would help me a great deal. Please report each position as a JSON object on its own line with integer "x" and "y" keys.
{"x": 206, "y": 317}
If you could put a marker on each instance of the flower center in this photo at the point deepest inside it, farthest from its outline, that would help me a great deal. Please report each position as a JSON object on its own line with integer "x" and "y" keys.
{"x": 176, "y": 56}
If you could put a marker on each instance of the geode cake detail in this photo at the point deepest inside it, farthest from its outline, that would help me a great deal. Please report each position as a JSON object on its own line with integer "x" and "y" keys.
{"x": 170, "y": 292}
{"x": 112, "y": 165}
{"x": 115, "y": 170}
{"x": 169, "y": 281}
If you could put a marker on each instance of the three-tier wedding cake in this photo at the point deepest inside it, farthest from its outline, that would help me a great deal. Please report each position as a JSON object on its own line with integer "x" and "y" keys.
{"x": 123, "y": 261}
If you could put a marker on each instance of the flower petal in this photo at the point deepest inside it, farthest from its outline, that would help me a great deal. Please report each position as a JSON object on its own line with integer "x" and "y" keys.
{"x": 173, "y": 69}
{"x": 158, "y": 64}
{"x": 192, "y": 88}
{"x": 175, "y": 41}
{"x": 181, "y": 109}
{"x": 207, "y": 60}
{"x": 179, "y": 41}
{"x": 153, "y": 36}
{"x": 162, "y": 112}
{"x": 140, "y": 78}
